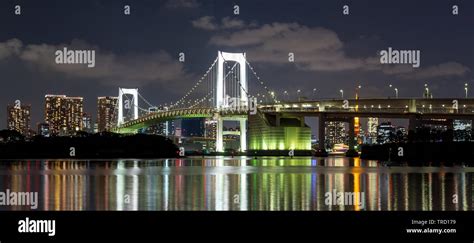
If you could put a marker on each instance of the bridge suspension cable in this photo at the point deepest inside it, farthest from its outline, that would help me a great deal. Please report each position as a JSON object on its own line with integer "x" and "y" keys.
{"x": 196, "y": 85}
{"x": 262, "y": 83}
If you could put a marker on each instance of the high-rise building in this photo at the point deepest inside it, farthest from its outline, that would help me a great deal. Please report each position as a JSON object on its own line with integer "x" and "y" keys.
{"x": 74, "y": 115}
{"x": 107, "y": 112}
{"x": 87, "y": 125}
{"x": 63, "y": 114}
{"x": 170, "y": 128}
{"x": 372, "y": 124}
{"x": 386, "y": 133}
{"x": 335, "y": 133}
{"x": 54, "y": 113}
{"x": 18, "y": 118}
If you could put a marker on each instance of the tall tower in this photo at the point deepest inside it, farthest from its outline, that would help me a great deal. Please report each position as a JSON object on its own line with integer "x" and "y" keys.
{"x": 128, "y": 100}
{"x": 223, "y": 57}
{"x": 221, "y": 97}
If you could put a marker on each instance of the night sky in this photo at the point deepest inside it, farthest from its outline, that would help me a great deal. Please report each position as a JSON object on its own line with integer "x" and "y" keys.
{"x": 332, "y": 51}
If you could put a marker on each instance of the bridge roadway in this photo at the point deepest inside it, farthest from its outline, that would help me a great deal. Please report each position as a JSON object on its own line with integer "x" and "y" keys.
{"x": 160, "y": 116}
{"x": 417, "y": 111}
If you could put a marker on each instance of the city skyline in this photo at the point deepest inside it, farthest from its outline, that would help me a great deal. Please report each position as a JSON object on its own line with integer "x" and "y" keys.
{"x": 308, "y": 113}
{"x": 328, "y": 49}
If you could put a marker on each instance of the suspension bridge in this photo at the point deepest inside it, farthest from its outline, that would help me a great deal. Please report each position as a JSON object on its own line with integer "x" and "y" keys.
{"x": 222, "y": 94}
{"x": 266, "y": 122}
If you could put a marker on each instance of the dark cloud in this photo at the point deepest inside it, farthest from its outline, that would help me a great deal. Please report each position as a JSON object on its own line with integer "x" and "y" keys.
{"x": 182, "y": 4}
{"x": 110, "y": 68}
{"x": 318, "y": 49}
{"x": 209, "y": 23}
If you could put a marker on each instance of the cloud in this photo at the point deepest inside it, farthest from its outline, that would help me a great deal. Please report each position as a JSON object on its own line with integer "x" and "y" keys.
{"x": 209, "y": 23}
{"x": 10, "y": 47}
{"x": 110, "y": 68}
{"x": 232, "y": 23}
{"x": 317, "y": 49}
{"x": 205, "y": 23}
{"x": 182, "y": 4}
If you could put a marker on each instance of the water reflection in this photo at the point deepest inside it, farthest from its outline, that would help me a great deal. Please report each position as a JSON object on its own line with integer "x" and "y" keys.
{"x": 236, "y": 184}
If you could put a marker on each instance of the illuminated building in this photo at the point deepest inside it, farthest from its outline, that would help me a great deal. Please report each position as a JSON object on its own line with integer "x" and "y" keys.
{"x": 74, "y": 115}
{"x": 335, "y": 133}
{"x": 462, "y": 130}
{"x": 170, "y": 128}
{"x": 106, "y": 112}
{"x": 210, "y": 128}
{"x": 63, "y": 114}
{"x": 165, "y": 128}
{"x": 267, "y": 132}
{"x": 385, "y": 133}
{"x": 357, "y": 129}
{"x": 43, "y": 129}
{"x": 372, "y": 123}
{"x": 156, "y": 129}
{"x": 54, "y": 113}
{"x": 87, "y": 123}
{"x": 19, "y": 118}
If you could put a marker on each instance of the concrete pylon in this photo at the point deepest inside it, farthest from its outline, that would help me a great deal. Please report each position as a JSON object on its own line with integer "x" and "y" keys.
{"x": 134, "y": 103}
{"x": 223, "y": 57}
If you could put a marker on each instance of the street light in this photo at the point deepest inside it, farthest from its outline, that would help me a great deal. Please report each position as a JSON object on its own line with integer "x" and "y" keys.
{"x": 396, "y": 93}
{"x": 285, "y": 93}
{"x": 298, "y": 94}
{"x": 357, "y": 91}
{"x": 314, "y": 93}
{"x": 466, "y": 88}
{"x": 342, "y": 93}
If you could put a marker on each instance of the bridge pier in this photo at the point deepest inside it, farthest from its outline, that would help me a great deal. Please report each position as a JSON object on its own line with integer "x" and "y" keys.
{"x": 412, "y": 123}
{"x": 220, "y": 134}
{"x": 243, "y": 135}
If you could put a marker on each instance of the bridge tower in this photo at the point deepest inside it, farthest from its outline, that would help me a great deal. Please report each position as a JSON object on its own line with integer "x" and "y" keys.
{"x": 131, "y": 104}
{"x": 222, "y": 101}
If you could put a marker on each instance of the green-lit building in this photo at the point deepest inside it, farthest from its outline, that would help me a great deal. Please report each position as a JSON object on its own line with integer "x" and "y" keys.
{"x": 268, "y": 132}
